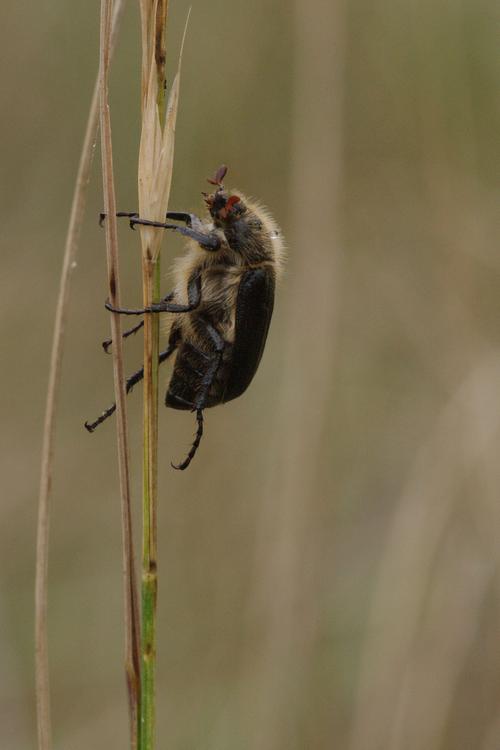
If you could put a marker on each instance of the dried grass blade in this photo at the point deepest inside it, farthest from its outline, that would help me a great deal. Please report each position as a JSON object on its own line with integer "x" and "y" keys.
{"x": 131, "y": 608}
{"x": 47, "y": 460}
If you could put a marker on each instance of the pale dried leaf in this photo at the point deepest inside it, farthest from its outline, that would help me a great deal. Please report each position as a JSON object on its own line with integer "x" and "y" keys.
{"x": 156, "y": 156}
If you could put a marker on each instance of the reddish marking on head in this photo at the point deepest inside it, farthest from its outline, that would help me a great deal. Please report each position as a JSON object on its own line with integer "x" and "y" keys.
{"x": 224, "y": 212}
{"x": 219, "y": 176}
{"x": 231, "y": 201}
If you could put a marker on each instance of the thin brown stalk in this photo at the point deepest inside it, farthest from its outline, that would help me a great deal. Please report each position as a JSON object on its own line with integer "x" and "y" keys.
{"x": 131, "y": 610}
{"x": 47, "y": 459}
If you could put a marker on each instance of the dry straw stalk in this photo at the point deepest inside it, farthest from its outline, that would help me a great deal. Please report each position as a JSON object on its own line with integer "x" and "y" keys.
{"x": 131, "y": 606}
{"x": 48, "y": 443}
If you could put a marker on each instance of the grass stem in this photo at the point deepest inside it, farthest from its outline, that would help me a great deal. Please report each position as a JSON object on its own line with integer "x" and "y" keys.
{"x": 151, "y": 293}
{"x": 131, "y": 607}
{"x": 151, "y": 274}
{"x": 156, "y": 156}
{"x": 48, "y": 449}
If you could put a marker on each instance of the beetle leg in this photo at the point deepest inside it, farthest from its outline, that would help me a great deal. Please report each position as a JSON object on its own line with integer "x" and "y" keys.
{"x": 196, "y": 443}
{"x": 119, "y": 214}
{"x": 217, "y": 342}
{"x": 189, "y": 219}
{"x": 195, "y": 229}
{"x": 180, "y": 216}
{"x": 107, "y": 343}
{"x": 130, "y": 382}
{"x": 194, "y": 299}
{"x": 207, "y": 381}
{"x": 206, "y": 240}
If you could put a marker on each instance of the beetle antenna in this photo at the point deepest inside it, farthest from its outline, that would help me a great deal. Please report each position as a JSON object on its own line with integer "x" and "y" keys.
{"x": 196, "y": 442}
{"x": 218, "y": 177}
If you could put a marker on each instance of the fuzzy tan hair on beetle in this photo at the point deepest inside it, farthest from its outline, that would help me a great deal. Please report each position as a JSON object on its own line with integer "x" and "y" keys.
{"x": 217, "y": 316}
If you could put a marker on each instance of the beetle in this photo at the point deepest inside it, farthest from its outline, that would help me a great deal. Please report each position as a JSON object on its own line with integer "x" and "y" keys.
{"x": 221, "y": 305}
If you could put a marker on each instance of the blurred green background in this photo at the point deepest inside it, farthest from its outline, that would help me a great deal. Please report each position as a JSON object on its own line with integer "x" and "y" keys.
{"x": 328, "y": 566}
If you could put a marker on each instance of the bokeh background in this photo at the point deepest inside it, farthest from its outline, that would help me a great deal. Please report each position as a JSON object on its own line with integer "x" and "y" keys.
{"x": 329, "y": 564}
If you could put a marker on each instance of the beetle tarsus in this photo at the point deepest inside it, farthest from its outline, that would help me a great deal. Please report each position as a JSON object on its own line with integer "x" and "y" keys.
{"x": 195, "y": 445}
{"x": 107, "y": 343}
{"x": 119, "y": 214}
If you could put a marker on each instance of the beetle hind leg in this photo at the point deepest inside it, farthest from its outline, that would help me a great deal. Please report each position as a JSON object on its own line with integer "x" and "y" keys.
{"x": 196, "y": 442}
{"x": 129, "y": 384}
{"x": 201, "y": 400}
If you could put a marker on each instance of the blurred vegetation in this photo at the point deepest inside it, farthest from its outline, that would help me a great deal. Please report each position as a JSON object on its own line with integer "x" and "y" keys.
{"x": 329, "y": 564}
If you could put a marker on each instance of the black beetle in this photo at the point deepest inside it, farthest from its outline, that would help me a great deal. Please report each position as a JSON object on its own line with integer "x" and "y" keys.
{"x": 221, "y": 306}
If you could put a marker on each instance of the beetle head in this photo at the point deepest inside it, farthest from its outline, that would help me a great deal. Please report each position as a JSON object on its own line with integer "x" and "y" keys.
{"x": 223, "y": 207}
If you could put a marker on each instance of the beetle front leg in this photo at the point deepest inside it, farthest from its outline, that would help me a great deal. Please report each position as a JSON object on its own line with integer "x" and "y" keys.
{"x": 194, "y": 230}
{"x": 207, "y": 240}
{"x": 120, "y": 215}
{"x": 189, "y": 219}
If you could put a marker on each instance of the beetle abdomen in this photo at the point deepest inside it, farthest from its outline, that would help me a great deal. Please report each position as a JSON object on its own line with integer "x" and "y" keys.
{"x": 254, "y": 308}
{"x": 186, "y": 383}
{"x": 186, "y": 378}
